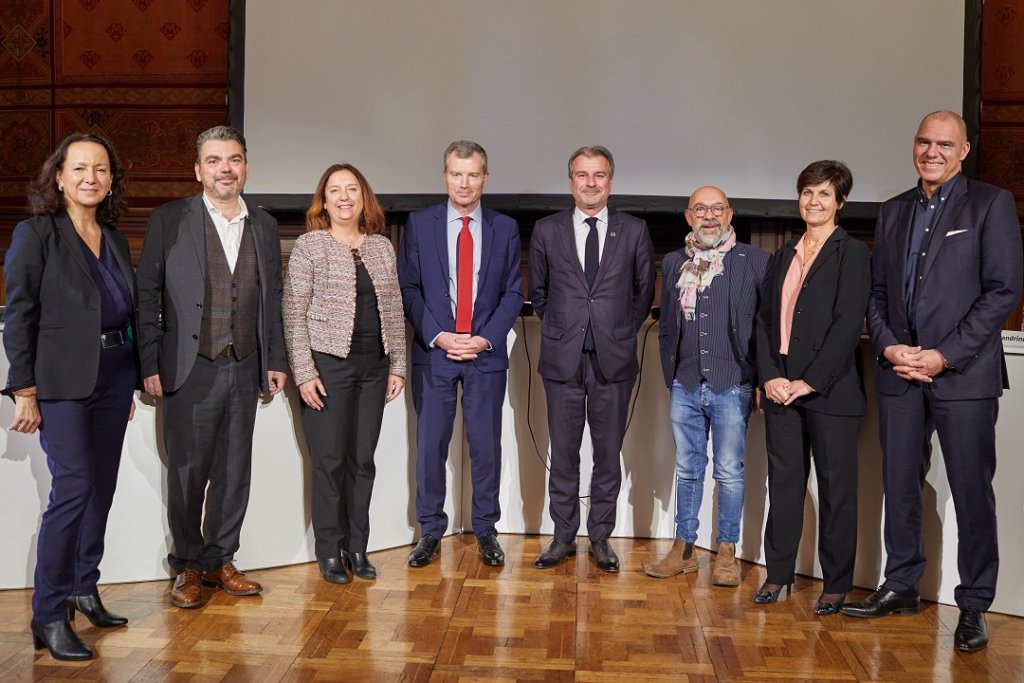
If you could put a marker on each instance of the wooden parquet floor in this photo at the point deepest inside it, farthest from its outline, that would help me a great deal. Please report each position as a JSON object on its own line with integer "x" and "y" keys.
{"x": 457, "y": 620}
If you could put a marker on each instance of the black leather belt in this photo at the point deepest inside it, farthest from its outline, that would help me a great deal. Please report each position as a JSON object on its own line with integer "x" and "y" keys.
{"x": 113, "y": 338}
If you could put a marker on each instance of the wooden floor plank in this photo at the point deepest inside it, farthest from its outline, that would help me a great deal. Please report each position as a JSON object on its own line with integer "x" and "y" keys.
{"x": 458, "y": 620}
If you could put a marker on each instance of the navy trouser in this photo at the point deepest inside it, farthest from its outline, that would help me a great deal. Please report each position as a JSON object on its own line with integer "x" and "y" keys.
{"x": 82, "y": 440}
{"x": 435, "y": 390}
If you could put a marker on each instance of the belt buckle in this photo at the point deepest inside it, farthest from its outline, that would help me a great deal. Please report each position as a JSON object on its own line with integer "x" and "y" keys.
{"x": 111, "y": 339}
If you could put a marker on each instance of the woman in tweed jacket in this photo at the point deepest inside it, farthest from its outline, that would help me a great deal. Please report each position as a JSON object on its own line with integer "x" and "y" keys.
{"x": 345, "y": 334}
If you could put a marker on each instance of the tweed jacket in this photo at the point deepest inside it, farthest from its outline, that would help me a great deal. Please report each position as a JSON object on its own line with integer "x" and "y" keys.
{"x": 319, "y": 302}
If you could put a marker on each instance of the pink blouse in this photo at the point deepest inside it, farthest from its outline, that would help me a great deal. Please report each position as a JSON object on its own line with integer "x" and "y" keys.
{"x": 791, "y": 286}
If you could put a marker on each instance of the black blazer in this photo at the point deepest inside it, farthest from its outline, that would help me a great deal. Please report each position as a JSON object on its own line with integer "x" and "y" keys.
{"x": 827, "y": 323}
{"x": 52, "y": 327}
{"x": 616, "y": 307}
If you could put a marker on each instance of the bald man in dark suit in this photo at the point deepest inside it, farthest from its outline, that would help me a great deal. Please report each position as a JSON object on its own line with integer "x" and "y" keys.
{"x": 945, "y": 276}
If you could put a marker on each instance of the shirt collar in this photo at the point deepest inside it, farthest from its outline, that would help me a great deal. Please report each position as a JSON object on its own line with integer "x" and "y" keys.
{"x": 942, "y": 191}
{"x": 476, "y": 214}
{"x": 579, "y": 217}
{"x": 243, "y": 210}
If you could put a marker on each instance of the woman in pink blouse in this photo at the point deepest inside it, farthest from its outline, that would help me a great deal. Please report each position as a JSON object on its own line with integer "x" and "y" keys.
{"x": 809, "y": 321}
{"x": 345, "y": 334}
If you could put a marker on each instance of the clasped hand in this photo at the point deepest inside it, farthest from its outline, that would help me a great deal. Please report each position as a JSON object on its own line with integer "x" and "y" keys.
{"x": 913, "y": 363}
{"x": 461, "y": 347}
{"x": 783, "y": 391}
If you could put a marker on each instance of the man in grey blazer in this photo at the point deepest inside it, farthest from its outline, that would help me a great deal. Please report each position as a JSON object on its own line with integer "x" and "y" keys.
{"x": 591, "y": 284}
{"x": 211, "y": 339}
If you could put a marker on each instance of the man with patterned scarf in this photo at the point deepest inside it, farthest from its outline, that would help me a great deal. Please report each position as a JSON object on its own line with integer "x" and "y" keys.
{"x": 709, "y": 297}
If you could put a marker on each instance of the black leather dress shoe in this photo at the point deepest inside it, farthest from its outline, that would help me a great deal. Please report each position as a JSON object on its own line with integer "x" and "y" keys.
{"x": 604, "y": 556}
{"x": 971, "y": 632}
{"x": 360, "y": 565}
{"x": 554, "y": 554}
{"x": 93, "y": 609}
{"x": 60, "y": 639}
{"x": 491, "y": 553}
{"x": 333, "y": 570}
{"x": 425, "y": 551}
{"x": 882, "y": 602}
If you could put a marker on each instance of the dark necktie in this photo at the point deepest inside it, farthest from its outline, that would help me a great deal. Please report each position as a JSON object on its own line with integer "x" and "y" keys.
{"x": 590, "y": 265}
{"x": 464, "y": 280}
{"x": 590, "y": 252}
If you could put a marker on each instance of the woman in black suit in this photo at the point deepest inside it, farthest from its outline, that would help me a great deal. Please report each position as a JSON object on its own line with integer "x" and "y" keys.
{"x": 808, "y": 328}
{"x": 73, "y": 369}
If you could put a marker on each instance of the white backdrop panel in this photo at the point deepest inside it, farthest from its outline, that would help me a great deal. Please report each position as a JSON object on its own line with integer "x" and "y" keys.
{"x": 739, "y": 93}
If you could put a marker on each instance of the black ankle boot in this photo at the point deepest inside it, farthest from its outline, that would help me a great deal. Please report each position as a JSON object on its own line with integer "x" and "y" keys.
{"x": 333, "y": 570}
{"x": 360, "y": 565}
{"x": 60, "y": 639}
{"x": 93, "y": 609}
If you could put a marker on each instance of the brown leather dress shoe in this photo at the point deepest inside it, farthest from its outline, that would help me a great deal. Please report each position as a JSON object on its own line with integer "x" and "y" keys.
{"x": 187, "y": 593}
{"x": 231, "y": 581}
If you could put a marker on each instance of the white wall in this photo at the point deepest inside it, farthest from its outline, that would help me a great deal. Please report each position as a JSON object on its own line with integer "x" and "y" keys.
{"x": 737, "y": 93}
{"x": 277, "y": 532}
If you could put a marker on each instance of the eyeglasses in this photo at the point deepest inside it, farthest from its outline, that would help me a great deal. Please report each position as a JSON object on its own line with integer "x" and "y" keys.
{"x": 715, "y": 209}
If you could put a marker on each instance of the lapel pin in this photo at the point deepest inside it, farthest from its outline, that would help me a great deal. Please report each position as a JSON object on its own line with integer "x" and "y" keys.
{"x": 611, "y": 234}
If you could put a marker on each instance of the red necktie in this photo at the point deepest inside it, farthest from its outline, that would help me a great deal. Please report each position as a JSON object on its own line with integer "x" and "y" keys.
{"x": 464, "y": 275}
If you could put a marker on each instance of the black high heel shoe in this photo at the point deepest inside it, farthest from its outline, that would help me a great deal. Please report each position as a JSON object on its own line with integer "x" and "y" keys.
{"x": 94, "y": 611}
{"x": 60, "y": 639}
{"x": 825, "y": 608}
{"x": 360, "y": 565}
{"x": 765, "y": 595}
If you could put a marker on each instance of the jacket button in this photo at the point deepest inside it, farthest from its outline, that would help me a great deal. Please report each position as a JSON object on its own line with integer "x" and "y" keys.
{"x": 199, "y": 305}
{"x": 195, "y": 336}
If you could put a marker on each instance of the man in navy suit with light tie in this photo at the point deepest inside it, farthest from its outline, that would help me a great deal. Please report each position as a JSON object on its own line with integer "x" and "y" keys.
{"x": 459, "y": 269}
{"x": 945, "y": 276}
{"x": 591, "y": 284}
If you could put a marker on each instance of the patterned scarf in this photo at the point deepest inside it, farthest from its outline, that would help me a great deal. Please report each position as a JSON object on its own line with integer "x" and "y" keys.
{"x": 703, "y": 265}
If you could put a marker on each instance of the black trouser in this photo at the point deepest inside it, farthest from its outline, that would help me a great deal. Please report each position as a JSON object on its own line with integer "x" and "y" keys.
{"x": 794, "y": 435}
{"x": 208, "y": 425}
{"x": 586, "y": 398}
{"x": 342, "y": 438}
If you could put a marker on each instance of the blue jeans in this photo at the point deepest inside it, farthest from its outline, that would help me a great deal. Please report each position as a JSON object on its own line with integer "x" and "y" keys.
{"x": 725, "y": 415}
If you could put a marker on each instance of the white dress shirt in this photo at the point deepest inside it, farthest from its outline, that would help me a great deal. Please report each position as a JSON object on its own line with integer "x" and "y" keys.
{"x": 230, "y": 232}
{"x": 581, "y": 230}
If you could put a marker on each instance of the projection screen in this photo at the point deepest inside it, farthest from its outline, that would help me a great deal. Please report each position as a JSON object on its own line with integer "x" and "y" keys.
{"x": 738, "y": 93}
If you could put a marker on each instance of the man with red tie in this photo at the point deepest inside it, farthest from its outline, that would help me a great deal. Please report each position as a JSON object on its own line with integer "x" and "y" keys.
{"x": 459, "y": 269}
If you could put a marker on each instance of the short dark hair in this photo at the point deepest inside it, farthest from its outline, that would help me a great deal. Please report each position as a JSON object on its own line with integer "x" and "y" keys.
{"x": 44, "y": 197}
{"x": 827, "y": 171}
{"x": 225, "y": 133}
{"x": 464, "y": 149}
{"x": 594, "y": 151}
{"x": 371, "y": 222}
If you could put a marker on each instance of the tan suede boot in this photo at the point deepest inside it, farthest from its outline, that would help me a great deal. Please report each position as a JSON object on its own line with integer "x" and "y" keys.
{"x": 680, "y": 558}
{"x": 727, "y": 569}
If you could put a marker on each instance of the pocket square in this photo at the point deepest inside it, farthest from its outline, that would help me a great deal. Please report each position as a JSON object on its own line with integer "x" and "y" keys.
{"x": 955, "y": 232}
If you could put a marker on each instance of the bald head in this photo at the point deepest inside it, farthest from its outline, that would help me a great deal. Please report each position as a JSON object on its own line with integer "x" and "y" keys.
{"x": 709, "y": 215}
{"x": 949, "y": 117}
{"x": 707, "y": 195}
